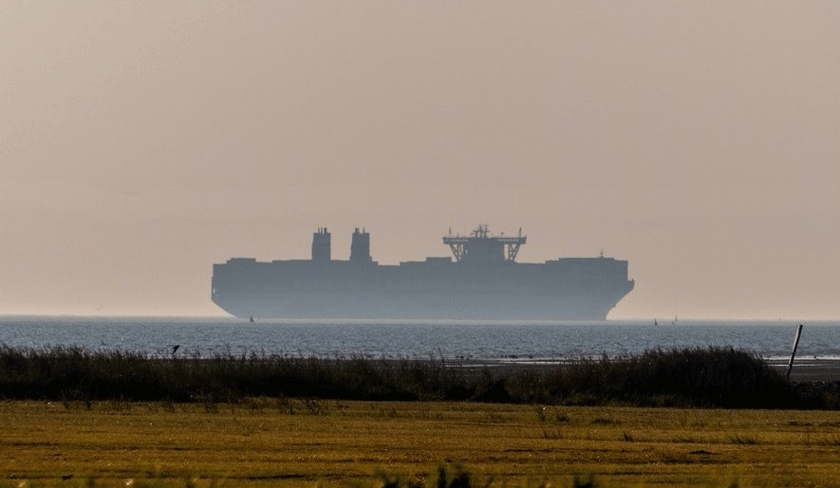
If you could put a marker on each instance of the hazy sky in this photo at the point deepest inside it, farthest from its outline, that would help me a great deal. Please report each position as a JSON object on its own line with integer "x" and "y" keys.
{"x": 141, "y": 142}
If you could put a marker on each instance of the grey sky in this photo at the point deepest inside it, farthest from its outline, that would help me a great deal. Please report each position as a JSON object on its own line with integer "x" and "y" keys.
{"x": 140, "y": 142}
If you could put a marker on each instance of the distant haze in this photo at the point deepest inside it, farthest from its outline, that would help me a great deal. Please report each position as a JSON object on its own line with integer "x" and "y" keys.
{"x": 141, "y": 142}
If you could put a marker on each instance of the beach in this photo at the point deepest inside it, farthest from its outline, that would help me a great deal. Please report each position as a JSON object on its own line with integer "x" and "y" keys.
{"x": 807, "y": 370}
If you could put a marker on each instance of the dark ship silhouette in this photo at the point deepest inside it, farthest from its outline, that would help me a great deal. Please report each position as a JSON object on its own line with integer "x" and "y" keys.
{"x": 484, "y": 281}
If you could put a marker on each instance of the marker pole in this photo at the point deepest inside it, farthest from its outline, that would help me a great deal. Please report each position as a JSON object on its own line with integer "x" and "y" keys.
{"x": 793, "y": 352}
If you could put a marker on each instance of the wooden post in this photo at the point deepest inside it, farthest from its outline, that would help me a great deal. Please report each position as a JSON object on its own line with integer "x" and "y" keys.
{"x": 793, "y": 352}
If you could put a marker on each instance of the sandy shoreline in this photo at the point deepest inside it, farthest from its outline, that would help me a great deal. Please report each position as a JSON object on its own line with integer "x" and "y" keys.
{"x": 810, "y": 369}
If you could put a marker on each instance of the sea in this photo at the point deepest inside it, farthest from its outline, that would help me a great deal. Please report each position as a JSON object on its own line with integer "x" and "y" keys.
{"x": 484, "y": 341}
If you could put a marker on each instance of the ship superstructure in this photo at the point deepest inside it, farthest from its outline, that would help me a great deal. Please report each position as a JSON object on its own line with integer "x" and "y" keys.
{"x": 483, "y": 281}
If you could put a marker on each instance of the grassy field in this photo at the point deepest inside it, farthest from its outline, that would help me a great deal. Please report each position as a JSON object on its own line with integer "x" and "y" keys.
{"x": 690, "y": 377}
{"x": 299, "y": 442}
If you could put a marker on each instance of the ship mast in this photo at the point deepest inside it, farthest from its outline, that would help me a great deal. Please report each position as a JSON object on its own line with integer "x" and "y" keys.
{"x": 483, "y": 247}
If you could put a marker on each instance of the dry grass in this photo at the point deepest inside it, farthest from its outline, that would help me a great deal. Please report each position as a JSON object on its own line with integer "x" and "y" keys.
{"x": 689, "y": 377}
{"x": 265, "y": 442}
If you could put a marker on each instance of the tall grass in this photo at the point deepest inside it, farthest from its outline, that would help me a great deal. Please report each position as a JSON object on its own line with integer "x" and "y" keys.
{"x": 702, "y": 377}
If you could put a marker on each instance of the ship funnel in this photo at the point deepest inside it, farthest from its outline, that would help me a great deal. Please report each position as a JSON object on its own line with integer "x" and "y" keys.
{"x": 360, "y": 247}
{"x": 321, "y": 246}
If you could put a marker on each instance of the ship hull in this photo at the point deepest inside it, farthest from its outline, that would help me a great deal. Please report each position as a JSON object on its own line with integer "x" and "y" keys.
{"x": 566, "y": 289}
{"x": 491, "y": 307}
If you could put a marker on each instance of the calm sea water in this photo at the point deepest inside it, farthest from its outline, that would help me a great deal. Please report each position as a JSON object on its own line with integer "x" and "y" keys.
{"x": 493, "y": 341}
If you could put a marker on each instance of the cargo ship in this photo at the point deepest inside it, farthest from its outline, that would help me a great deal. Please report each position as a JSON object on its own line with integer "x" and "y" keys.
{"x": 480, "y": 280}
